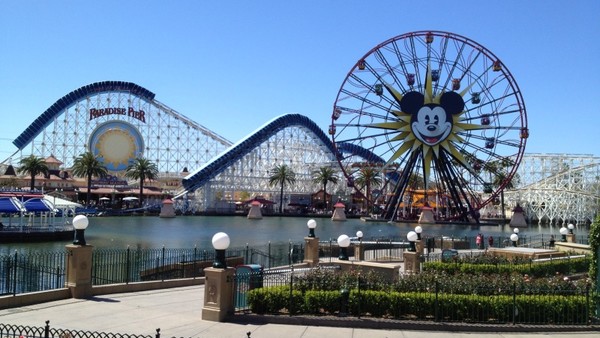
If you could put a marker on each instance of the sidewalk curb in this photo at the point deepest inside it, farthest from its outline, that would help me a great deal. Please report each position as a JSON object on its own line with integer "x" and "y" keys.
{"x": 394, "y": 324}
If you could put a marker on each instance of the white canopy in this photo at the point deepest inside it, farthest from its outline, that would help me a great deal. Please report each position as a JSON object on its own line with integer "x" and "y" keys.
{"x": 61, "y": 203}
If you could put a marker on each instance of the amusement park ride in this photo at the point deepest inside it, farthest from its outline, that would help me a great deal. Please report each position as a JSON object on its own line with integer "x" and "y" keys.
{"x": 444, "y": 114}
{"x": 426, "y": 118}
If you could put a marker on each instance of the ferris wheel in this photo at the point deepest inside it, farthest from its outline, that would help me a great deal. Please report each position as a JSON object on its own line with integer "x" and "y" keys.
{"x": 443, "y": 116}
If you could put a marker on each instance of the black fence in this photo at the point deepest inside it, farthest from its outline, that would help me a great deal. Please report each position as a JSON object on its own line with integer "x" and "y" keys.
{"x": 32, "y": 272}
{"x": 46, "y": 270}
{"x": 24, "y": 272}
{"x": 20, "y": 331}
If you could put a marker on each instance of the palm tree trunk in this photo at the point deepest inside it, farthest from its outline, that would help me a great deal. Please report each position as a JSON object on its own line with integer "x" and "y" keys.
{"x": 89, "y": 188}
{"x": 281, "y": 199}
{"x": 32, "y": 182}
{"x": 368, "y": 197}
{"x": 325, "y": 195}
{"x": 141, "y": 192}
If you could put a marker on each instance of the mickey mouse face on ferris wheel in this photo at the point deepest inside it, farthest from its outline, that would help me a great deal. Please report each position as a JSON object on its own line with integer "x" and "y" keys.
{"x": 432, "y": 123}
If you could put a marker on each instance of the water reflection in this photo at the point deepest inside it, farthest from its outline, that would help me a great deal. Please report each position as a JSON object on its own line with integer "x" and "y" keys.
{"x": 190, "y": 231}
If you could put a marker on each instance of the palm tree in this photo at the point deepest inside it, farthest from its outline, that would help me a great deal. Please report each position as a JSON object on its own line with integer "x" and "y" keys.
{"x": 142, "y": 169}
{"x": 33, "y": 166}
{"x": 282, "y": 175}
{"x": 87, "y": 165}
{"x": 367, "y": 178}
{"x": 497, "y": 171}
{"x": 323, "y": 176}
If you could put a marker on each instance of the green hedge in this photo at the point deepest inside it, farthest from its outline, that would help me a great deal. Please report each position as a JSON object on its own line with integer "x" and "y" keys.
{"x": 538, "y": 269}
{"x": 533, "y": 309}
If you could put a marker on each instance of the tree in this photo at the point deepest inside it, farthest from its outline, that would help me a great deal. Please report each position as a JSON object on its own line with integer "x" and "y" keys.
{"x": 497, "y": 171}
{"x": 141, "y": 169}
{"x": 282, "y": 175}
{"x": 33, "y": 166}
{"x": 323, "y": 176}
{"x": 87, "y": 165}
{"x": 367, "y": 178}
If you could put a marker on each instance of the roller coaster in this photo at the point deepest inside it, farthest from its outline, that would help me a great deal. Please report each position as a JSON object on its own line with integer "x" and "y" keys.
{"x": 213, "y": 172}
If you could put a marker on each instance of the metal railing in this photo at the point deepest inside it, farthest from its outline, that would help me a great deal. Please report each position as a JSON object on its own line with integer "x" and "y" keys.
{"x": 39, "y": 271}
{"x": 46, "y": 270}
{"x": 32, "y": 272}
{"x": 21, "y": 331}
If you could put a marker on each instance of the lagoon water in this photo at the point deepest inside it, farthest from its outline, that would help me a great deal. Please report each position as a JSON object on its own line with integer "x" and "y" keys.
{"x": 191, "y": 231}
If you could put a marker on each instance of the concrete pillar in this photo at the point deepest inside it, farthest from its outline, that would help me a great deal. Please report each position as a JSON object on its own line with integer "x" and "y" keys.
{"x": 311, "y": 250}
{"x": 79, "y": 270}
{"x": 571, "y": 238}
{"x": 218, "y": 294}
{"x": 420, "y": 246}
{"x": 359, "y": 252}
{"x": 412, "y": 262}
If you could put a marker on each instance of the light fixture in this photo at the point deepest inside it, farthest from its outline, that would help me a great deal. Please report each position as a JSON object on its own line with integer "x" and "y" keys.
{"x": 80, "y": 223}
{"x": 220, "y": 242}
{"x": 571, "y": 227}
{"x": 412, "y": 237}
{"x": 563, "y": 232}
{"x": 343, "y": 242}
{"x": 359, "y": 235}
{"x": 418, "y": 230}
{"x": 514, "y": 238}
{"x": 311, "y": 224}
{"x": 516, "y": 231}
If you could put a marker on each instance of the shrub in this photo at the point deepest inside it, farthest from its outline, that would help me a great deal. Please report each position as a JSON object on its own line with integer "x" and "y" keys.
{"x": 502, "y": 308}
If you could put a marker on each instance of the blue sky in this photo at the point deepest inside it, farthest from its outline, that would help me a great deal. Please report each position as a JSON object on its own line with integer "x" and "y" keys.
{"x": 233, "y": 65}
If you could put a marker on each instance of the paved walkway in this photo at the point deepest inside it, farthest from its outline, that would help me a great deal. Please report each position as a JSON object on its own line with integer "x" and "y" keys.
{"x": 177, "y": 312}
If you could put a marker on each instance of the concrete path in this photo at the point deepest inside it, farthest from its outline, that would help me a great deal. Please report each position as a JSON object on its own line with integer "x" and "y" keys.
{"x": 177, "y": 312}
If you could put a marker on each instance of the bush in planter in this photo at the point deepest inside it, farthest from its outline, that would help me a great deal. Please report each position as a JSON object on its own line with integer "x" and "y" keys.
{"x": 321, "y": 302}
{"x": 535, "y": 309}
{"x": 413, "y": 305}
{"x": 274, "y": 300}
{"x": 490, "y": 265}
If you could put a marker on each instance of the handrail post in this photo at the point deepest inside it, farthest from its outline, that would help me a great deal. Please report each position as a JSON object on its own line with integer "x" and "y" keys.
{"x": 15, "y": 267}
{"x": 47, "y": 329}
{"x": 162, "y": 268}
{"x": 194, "y": 262}
{"x": 127, "y": 267}
{"x": 269, "y": 258}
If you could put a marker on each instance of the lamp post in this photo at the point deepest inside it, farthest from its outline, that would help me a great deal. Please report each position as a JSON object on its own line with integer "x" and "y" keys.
{"x": 563, "y": 232}
{"x": 418, "y": 230}
{"x": 514, "y": 238}
{"x": 311, "y": 224}
{"x": 412, "y": 258}
{"x": 218, "y": 290}
{"x": 570, "y": 226}
{"x": 412, "y": 237}
{"x": 343, "y": 242}
{"x": 80, "y": 223}
{"x": 220, "y": 242}
{"x": 359, "y": 253}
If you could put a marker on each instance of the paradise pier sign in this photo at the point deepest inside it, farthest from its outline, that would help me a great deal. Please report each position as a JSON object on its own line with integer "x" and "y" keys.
{"x": 131, "y": 112}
